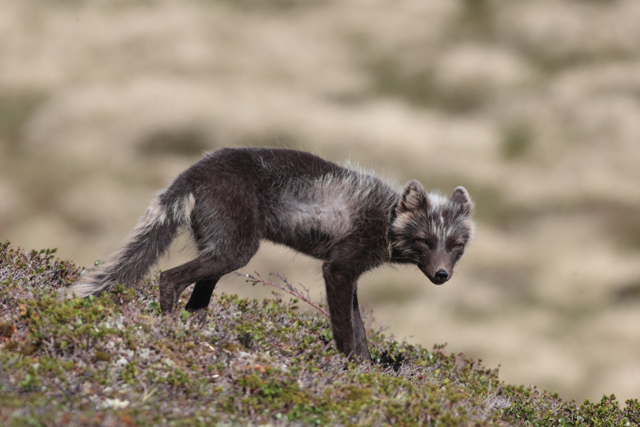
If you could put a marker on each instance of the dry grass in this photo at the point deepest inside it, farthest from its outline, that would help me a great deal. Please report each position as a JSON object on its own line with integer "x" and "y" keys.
{"x": 532, "y": 105}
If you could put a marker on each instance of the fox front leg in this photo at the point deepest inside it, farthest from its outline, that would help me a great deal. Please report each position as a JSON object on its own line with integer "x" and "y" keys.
{"x": 348, "y": 330}
{"x": 359, "y": 332}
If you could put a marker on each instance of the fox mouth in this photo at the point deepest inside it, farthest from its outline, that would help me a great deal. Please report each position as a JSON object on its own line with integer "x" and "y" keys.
{"x": 436, "y": 281}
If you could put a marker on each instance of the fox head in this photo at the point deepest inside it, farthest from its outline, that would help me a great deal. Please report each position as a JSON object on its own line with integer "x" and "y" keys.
{"x": 431, "y": 231}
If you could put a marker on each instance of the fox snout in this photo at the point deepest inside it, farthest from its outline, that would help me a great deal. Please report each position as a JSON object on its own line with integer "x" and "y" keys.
{"x": 442, "y": 275}
{"x": 438, "y": 277}
{"x": 438, "y": 267}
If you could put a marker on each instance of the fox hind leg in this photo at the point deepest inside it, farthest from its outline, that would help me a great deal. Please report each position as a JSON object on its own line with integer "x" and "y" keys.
{"x": 201, "y": 295}
{"x": 174, "y": 281}
{"x": 204, "y": 270}
{"x": 226, "y": 227}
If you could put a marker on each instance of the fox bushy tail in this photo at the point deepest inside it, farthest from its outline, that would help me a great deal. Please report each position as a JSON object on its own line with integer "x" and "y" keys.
{"x": 148, "y": 241}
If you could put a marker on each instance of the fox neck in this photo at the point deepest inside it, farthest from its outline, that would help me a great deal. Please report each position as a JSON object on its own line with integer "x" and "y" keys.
{"x": 395, "y": 256}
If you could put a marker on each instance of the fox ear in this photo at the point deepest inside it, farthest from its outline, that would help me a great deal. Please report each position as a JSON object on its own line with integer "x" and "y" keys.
{"x": 461, "y": 197}
{"x": 414, "y": 198}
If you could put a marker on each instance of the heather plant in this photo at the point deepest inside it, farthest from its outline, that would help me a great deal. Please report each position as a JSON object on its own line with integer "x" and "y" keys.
{"x": 114, "y": 360}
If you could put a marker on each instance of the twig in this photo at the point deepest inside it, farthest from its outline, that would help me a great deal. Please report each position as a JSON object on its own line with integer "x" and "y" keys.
{"x": 287, "y": 287}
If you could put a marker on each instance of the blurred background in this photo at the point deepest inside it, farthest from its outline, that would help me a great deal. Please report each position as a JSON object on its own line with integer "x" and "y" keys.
{"x": 532, "y": 105}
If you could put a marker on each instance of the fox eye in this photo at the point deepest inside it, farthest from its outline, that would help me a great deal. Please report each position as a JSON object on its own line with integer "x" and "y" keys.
{"x": 458, "y": 246}
{"x": 423, "y": 241}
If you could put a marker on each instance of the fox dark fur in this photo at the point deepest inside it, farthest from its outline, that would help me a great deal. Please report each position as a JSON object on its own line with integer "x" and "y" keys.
{"x": 234, "y": 198}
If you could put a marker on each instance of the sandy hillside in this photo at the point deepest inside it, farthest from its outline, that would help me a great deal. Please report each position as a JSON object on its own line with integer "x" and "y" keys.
{"x": 532, "y": 105}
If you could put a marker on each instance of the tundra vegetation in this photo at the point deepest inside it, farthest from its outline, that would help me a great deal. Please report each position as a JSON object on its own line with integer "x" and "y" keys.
{"x": 114, "y": 360}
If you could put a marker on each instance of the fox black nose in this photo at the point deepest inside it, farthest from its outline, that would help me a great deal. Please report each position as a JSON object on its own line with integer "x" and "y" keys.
{"x": 442, "y": 275}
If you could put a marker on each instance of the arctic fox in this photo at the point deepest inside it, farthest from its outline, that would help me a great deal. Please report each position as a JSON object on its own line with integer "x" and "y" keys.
{"x": 235, "y": 197}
